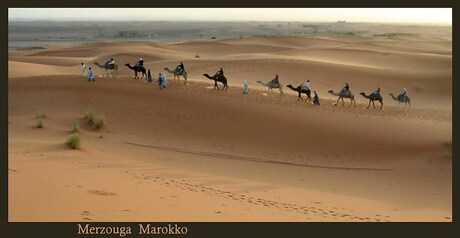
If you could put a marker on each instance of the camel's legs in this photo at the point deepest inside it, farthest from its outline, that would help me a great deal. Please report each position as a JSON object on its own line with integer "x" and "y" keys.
{"x": 373, "y": 103}
{"x": 353, "y": 100}
{"x": 367, "y": 105}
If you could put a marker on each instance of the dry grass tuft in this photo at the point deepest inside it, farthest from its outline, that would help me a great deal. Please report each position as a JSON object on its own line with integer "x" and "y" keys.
{"x": 74, "y": 141}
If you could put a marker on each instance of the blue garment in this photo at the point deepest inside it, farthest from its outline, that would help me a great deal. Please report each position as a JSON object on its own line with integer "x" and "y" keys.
{"x": 160, "y": 80}
{"x": 316, "y": 99}
{"x": 90, "y": 74}
{"x": 149, "y": 78}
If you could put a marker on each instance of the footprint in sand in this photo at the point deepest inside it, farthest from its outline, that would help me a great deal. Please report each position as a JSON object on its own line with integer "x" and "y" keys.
{"x": 101, "y": 193}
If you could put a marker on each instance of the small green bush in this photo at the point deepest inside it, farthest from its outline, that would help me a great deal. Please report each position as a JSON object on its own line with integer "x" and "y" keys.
{"x": 39, "y": 122}
{"x": 41, "y": 114}
{"x": 89, "y": 115}
{"x": 94, "y": 119}
{"x": 99, "y": 121}
{"x": 76, "y": 127}
{"x": 74, "y": 141}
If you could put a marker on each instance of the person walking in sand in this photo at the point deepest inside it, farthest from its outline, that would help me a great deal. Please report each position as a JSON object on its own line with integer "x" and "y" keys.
{"x": 245, "y": 87}
{"x": 165, "y": 80}
{"x": 90, "y": 75}
{"x": 162, "y": 80}
{"x": 83, "y": 68}
{"x": 149, "y": 77}
{"x": 315, "y": 98}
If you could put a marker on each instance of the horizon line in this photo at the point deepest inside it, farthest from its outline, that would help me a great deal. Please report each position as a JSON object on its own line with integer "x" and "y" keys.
{"x": 223, "y": 21}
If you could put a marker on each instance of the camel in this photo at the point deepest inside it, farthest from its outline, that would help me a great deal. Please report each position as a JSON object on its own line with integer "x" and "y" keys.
{"x": 177, "y": 74}
{"x": 401, "y": 99}
{"x": 300, "y": 91}
{"x": 373, "y": 97}
{"x": 344, "y": 94}
{"x": 137, "y": 69}
{"x": 272, "y": 85}
{"x": 108, "y": 68}
{"x": 216, "y": 79}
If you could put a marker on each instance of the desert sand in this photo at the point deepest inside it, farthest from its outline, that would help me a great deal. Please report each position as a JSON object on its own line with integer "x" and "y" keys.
{"x": 192, "y": 153}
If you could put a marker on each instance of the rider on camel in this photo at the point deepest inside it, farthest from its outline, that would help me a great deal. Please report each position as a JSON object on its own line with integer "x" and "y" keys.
{"x": 110, "y": 62}
{"x": 180, "y": 68}
{"x": 220, "y": 72}
{"x": 306, "y": 85}
{"x": 276, "y": 79}
{"x": 140, "y": 63}
{"x": 346, "y": 88}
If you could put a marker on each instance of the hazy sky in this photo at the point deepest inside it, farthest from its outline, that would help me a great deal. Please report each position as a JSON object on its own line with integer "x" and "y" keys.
{"x": 393, "y": 15}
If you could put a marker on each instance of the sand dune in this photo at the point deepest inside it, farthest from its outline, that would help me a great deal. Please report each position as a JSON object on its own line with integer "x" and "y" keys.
{"x": 191, "y": 153}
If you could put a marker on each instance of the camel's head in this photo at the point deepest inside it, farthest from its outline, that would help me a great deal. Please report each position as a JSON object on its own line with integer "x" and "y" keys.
{"x": 127, "y": 64}
{"x": 205, "y": 74}
{"x": 166, "y": 68}
{"x": 391, "y": 94}
{"x": 289, "y": 85}
{"x": 330, "y": 91}
{"x": 362, "y": 93}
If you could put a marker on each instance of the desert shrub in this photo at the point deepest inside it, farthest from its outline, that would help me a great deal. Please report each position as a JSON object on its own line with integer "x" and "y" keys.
{"x": 89, "y": 115}
{"x": 39, "y": 122}
{"x": 197, "y": 56}
{"x": 74, "y": 141}
{"x": 76, "y": 127}
{"x": 94, "y": 119}
{"x": 41, "y": 114}
{"x": 99, "y": 121}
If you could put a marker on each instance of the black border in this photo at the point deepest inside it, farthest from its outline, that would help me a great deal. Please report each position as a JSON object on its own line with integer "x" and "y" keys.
{"x": 232, "y": 229}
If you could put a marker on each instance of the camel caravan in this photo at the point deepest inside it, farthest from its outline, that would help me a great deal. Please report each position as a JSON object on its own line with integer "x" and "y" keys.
{"x": 179, "y": 71}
